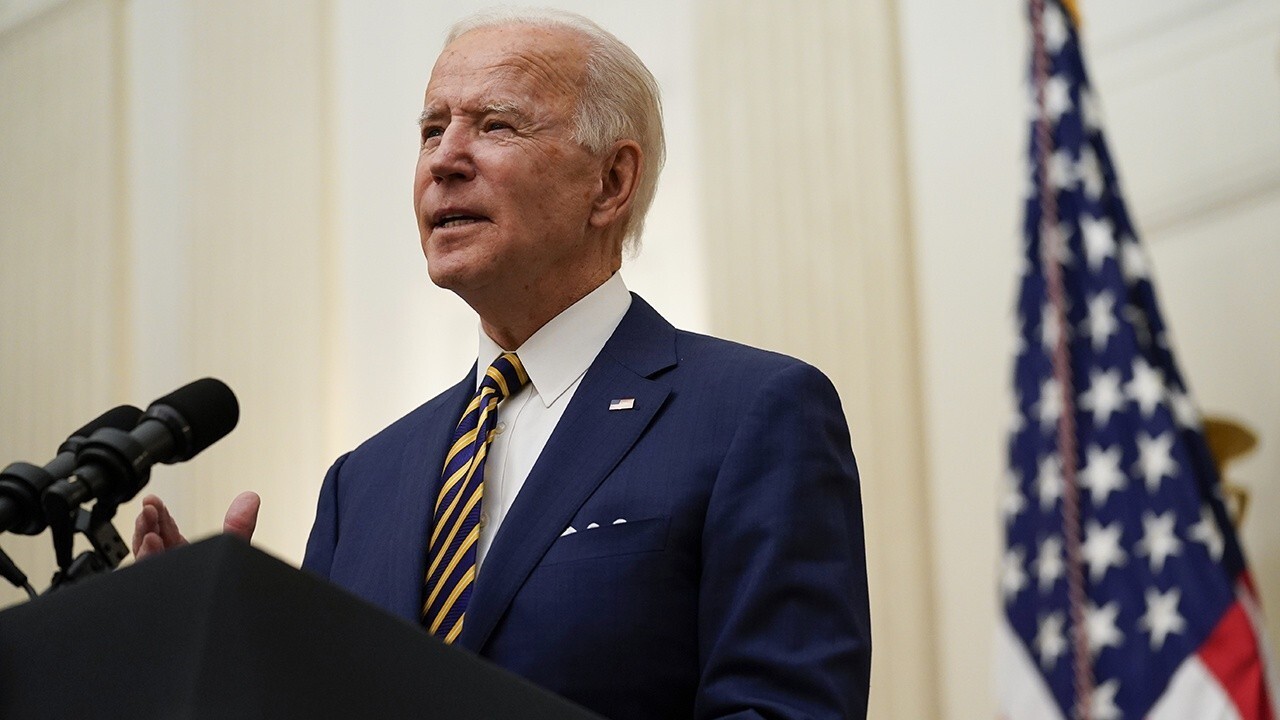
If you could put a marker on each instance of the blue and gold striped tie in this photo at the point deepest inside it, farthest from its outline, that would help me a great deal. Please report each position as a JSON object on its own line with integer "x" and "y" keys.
{"x": 451, "y": 557}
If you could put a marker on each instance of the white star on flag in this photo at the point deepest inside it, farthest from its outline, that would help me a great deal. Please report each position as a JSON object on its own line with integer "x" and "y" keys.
{"x": 1100, "y": 626}
{"x": 1206, "y": 533}
{"x": 1104, "y": 396}
{"x": 1055, "y": 29}
{"x": 1155, "y": 458}
{"x": 1063, "y": 253}
{"x": 1050, "y": 565}
{"x": 1049, "y": 481}
{"x": 1013, "y": 502}
{"x": 1141, "y": 328}
{"x": 1050, "y": 329}
{"x": 1162, "y": 618}
{"x": 1050, "y": 641}
{"x": 1090, "y": 113}
{"x": 1101, "y": 548}
{"x": 1184, "y": 409}
{"x": 1057, "y": 96}
{"x": 1062, "y": 170}
{"x": 1101, "y": 474}
{"x": 1050, "y": 403}
{"x": 1146, "y": 388}
{"x": 1102, "y": 319}
{"x": 1012, "y": 577}
{"x": 1090, "y": 174}
{"x": 1099, "y": 240}
{"x": 1133, "y": 259}
{"x": 1158, "y": 541}
{"x": 1102, "y": 706}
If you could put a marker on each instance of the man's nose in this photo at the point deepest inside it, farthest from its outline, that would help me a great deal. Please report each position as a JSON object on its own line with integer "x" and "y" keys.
{"x": 451, "y": 158}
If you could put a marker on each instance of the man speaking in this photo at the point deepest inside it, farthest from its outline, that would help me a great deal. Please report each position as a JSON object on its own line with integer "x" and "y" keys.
{"x": 652, "y": 523}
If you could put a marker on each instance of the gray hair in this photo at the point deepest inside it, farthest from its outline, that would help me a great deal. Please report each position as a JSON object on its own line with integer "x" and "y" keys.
{"x": 619, "y": 98}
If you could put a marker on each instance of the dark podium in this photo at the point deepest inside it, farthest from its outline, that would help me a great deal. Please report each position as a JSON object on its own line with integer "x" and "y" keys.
{"x": 219, "y": 630}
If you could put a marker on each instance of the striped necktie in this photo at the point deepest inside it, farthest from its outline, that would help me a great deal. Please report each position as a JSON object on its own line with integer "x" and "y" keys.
{"x": 451, "y": 557}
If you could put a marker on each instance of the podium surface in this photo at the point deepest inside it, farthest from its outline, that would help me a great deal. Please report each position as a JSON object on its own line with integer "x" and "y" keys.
{"x": 220, "y": 630}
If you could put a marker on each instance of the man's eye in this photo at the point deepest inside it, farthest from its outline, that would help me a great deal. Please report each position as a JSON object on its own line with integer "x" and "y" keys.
{"x": 494, "y": 125}
{"x": 431, "y": 132}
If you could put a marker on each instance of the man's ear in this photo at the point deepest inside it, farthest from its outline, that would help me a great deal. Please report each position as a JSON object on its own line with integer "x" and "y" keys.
{"x": 619, "y": 178}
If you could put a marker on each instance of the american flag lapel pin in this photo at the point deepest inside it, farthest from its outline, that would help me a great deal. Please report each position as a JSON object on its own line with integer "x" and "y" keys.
{"x": 622, "y": 404}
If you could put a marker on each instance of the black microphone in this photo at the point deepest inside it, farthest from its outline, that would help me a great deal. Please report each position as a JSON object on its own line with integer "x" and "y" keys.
{"x": 113, "y": 465}
{"x": 21, "y": 484}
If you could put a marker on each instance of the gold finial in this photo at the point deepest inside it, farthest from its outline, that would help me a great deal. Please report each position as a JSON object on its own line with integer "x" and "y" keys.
{"x": 1073, "y": 11}
{"x": 1227, "y": 441}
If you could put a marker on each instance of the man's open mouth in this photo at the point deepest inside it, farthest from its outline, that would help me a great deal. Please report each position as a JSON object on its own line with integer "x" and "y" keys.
{"x": 457, "y": 220}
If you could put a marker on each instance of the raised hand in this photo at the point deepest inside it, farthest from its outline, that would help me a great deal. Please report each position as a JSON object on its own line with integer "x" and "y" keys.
{"x": 156, "y": 531}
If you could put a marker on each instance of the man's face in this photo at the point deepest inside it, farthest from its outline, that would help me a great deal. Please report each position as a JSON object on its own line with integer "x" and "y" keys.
{"x": 503, "y": 193}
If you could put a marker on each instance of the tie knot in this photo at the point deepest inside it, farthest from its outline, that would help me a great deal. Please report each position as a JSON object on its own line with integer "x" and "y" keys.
{"x": 506, "y": 375}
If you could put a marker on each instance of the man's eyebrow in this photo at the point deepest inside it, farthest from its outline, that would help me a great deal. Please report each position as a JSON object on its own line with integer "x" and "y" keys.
{"x": 431, "y": 114}
{"x": 436, "y": 114}
{"x": 504, "y": 108}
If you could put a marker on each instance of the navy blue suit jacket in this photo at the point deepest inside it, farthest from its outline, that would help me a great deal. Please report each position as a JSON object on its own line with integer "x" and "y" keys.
{"x": 736, "y": 588}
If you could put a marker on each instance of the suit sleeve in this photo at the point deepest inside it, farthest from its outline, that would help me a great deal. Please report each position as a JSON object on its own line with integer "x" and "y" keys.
{"x": 784, "y": 622}
{"x": 324, "y": 532}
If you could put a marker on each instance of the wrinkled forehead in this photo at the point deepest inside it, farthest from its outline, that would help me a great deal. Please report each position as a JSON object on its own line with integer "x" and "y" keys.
{"x": 538, "y": 63}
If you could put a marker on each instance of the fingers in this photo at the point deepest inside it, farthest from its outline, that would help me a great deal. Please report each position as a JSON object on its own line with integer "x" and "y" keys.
{"x": 242, "y": 516}
{"x": 146, "y": 524}
{"x": 151, "y": 544}
{"x": 167, "y": 527}
{"x": 155, "y": 529}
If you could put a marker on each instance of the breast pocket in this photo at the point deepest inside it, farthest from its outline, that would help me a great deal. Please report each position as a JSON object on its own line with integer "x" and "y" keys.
{"x": 635, "y": 536}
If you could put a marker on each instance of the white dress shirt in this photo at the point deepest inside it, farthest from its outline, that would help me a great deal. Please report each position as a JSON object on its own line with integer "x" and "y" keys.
{"x": 556, "y": 357}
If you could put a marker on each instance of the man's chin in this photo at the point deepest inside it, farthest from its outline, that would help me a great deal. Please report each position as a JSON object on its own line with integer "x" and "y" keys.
{"x": 457, "y": 278}
{"x": 445, "y": 269}
{"x": 442, "y": 279}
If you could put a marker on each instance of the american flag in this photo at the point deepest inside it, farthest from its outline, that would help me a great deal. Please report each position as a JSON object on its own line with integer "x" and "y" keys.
{"x": 1124, "y": 587}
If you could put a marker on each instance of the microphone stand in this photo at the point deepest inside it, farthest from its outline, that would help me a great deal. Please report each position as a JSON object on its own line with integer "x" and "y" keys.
{"x": 108, "y": 548}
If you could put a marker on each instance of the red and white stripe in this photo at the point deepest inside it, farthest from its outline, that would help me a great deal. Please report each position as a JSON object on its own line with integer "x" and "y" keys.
{"x": 1231, "y": 677}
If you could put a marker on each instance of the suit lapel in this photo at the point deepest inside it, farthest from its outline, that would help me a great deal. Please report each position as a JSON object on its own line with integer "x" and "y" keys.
{"x": 414, "y": 497}
{"x": 586, "y": 445}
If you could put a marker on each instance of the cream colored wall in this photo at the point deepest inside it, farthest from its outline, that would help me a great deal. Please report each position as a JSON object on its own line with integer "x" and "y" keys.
{"x": 168, "y": 220}
{"x": 230, "y": 146}
{"x": 964, "y": 98}
{"x": 1191, "y": 94}
{"x": 63, "y": 342}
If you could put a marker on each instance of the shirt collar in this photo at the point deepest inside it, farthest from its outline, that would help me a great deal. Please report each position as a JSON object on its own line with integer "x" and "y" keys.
{"x": 562, "y": 350}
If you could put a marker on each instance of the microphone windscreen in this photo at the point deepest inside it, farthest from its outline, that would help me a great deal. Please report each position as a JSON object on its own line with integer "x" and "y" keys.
{"x": 207, "y": 408}
{"x": 123, "y": 417}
